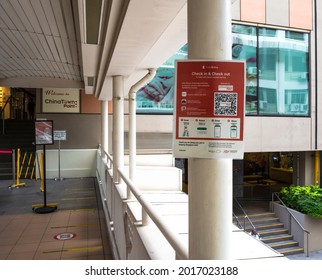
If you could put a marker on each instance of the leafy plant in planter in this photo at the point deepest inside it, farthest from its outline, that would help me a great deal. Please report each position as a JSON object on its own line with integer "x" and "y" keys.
{"x": 305, "y": 199}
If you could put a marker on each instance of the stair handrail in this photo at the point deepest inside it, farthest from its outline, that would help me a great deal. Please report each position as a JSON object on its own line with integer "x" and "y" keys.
{"x": 238, "y": 221}
{"x": 246, "y": 217}
{"x": 276, "y": 194}
{"x": 2, "y": 113}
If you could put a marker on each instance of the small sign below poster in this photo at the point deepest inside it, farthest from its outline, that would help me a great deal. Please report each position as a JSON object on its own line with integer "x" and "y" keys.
{"x": 44, "y": 132}
{"x": 60, "y": 135}
{"x": 209, "y": 109}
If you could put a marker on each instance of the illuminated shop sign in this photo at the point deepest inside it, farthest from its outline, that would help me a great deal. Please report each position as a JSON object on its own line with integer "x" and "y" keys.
{"x": 60, "y": 100}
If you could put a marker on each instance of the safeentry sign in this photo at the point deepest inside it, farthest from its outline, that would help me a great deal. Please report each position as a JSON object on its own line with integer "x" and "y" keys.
{"x": 209, "y": 109}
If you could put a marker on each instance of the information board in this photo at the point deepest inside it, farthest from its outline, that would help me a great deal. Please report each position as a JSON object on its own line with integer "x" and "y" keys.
{"x": 44, "y": 132}
{"x": 209, "y": 109}
{"x": 60, "y": 135}
{"x": 60, "y": 100}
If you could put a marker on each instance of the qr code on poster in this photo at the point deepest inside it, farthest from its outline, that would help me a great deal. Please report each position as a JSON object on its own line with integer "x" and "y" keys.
{"x": 225, "y": 104}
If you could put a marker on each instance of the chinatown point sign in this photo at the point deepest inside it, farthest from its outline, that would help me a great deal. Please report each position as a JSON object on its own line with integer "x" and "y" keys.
{"x": 60, "y": 100}
{"x": 209, "y": 109}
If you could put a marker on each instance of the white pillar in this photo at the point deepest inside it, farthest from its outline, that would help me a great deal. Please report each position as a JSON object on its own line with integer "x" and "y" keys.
{"x": 132, "y": 135}
{"x": 104, "y": 127}
{"x": 118, "y": 126}
{"x": 132, "y": 140}
{"x": 210, "y": 181}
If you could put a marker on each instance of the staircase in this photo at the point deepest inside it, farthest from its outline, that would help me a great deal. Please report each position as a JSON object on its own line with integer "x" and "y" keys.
{"x": 273, "y": 233}
{"x": 6, "y": 169}
{"x": 18, "y": 134}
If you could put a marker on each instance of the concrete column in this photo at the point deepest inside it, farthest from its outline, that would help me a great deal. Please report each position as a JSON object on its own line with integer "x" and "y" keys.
{"x": 104, "y": 128}
{"x": 304, "y": 168}
{"x": 210, "y": 181}
{"x": 118, "y": 126}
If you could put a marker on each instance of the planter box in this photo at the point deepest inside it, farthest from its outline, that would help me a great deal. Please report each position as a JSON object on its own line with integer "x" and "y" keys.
{"x": 313, "y": 225}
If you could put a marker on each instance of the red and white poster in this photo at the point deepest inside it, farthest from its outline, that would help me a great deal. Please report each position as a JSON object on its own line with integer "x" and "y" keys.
{"x": 209, "y": 109}
{"x": 44, "y": 132}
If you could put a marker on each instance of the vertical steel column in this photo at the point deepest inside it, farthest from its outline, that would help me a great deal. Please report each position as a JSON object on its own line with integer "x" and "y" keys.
{"x": 118, "y": 126}
{"x": 210, "y": 181}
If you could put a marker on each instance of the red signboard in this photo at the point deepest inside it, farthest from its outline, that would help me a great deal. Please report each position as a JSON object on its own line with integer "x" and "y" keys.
{"x": 44, "y": 132}
{"x": 209, "y": 109}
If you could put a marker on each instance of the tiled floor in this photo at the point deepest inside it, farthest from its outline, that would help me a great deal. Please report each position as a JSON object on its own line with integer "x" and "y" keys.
{"x": 74, "y": 231}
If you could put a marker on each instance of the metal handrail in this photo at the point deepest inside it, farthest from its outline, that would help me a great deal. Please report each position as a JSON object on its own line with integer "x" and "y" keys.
{"x": 246, "y": 217}
{"x": 2, "y": 111}
{"x": 2, "y": 116}
{"x": 171, "y": 237}
{"x": 276, "y": 194}
{"x": 238, "y": 221}
{"x": 147, "y": 209}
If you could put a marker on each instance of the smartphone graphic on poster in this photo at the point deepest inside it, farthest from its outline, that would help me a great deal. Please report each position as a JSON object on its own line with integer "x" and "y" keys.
{"x": 233, "y": 131}
{"x": 217, "y": 131}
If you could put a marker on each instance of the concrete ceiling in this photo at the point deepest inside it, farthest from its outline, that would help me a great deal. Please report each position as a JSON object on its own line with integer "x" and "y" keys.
{"x": 84, "y": 43}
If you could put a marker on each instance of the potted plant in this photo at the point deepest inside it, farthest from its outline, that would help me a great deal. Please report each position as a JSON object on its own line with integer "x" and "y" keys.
{"x": 304, "y": 199}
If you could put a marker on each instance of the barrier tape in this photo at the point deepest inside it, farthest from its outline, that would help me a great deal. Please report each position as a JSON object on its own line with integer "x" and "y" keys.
{"x": 6, "y": 152}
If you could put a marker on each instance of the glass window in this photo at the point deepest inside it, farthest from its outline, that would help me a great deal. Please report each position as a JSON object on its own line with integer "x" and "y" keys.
{"x": 157, "y": 96}
{"x": 283, "y": 65}
{"x": 245, "y": 48}
{"x": 276, "y": 73}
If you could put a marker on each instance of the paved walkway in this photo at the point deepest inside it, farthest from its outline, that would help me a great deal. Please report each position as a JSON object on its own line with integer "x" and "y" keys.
{"x": 317, "y": 255}
{"x": 75, "y": 230}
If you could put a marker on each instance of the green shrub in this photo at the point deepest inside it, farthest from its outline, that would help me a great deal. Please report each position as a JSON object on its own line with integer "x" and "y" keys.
{"x": 305, "y": 199}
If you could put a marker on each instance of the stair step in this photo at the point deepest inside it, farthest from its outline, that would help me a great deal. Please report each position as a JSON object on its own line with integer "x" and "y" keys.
{"x": 6, "y": 176}
{"x": 291, "y": 250}
{"x": 283, "y": 244}
{"x": 265, "y": 220}
{"x": 276, "y": 238}
{"x": 262, "y": 214}
{"x": 274, "y": 231}
{"x": 266, "y": 226}
{"x": 254, "y": 216}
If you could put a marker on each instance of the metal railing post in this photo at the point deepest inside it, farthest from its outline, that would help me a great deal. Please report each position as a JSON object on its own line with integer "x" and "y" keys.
{"x": 307, "y": 244}
{"x": 13, "y": 164}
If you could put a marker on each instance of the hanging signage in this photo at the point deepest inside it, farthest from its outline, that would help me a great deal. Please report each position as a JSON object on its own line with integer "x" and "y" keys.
{"x": 60, "y": 135}
{"x": 209, "y": 109}
{"x": 60, "y": 100}
{"x": 44, "y": 132}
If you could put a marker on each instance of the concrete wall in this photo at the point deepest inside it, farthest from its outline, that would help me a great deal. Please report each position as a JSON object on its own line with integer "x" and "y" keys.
{"x": 83, "y": 130}
{"x": 288, "y": 13}
{"x": 73, "y": 163}
{"x": 262, "y": 134}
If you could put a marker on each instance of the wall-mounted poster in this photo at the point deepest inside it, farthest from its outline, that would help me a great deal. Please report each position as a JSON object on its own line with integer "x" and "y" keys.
{"x": 209, "y": 109}
{"x": 44, "y": 132}
{"x": 60, "y": 100}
